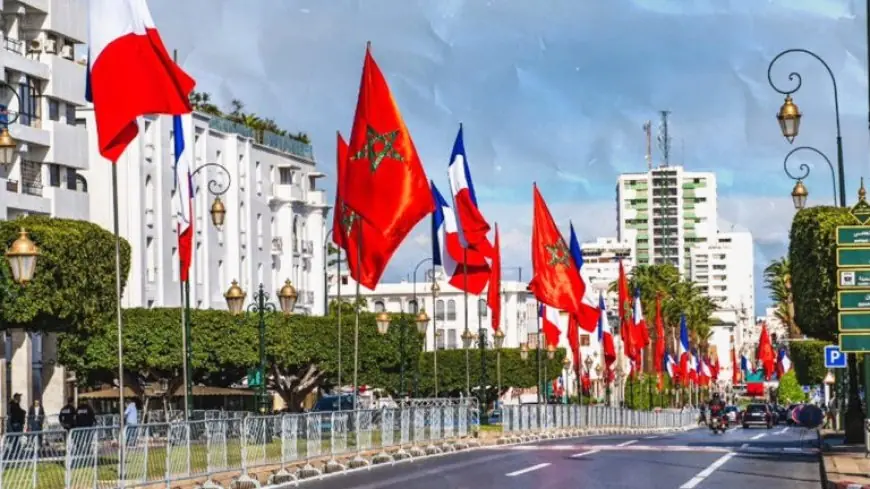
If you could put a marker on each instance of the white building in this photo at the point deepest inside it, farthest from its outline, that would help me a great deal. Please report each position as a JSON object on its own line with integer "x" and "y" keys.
{"x": 275, "y": 214}
{"x": 44, "y": 178}
{"x": 601, "y": 263}
{"x": 723, "y": 269}
{"x": 671, "y": 210}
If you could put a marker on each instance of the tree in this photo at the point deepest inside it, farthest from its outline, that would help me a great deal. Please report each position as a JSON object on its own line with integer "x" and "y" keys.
{"x": 201, "y": 101}
{"x": 790, "y": 391}
{"x": 335, "y": 256}
{"x": 73, "y": 288}
{"x": 777, "y": 279}
{"x": 808, "y": 360}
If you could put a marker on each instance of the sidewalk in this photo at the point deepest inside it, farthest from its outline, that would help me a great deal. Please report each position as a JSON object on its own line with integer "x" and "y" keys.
{"x": 843, "y": 466}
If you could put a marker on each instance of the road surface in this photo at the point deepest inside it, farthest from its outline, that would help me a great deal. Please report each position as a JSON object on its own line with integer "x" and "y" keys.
{"x": 780, "y": 458}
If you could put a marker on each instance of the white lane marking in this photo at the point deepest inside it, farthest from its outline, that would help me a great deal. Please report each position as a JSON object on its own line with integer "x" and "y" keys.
{"x": 694, "y": 481}
{"x": 651, "y": 437}
{"x": 590, "y": 452}
{"x": 527, "y": 470}
{"x": 758, "y": 436}
{"x": 733, "y": 429}
{"x": 627, "y": 443}
{"x": 782, "y": 431}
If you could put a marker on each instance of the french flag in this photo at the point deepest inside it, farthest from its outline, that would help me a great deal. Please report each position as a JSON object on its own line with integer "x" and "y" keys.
{"x": 130, "y": 73}
{"x": 589, "y": 310}
{"x": 472, "y": 226}
{"x": 448, "y": 253}
{"x": 783, "y": 363}
{"x": 670, "y": 365}
{"x": 605, "y": 337}
{"x": 704, "y": 372}
{"x": 549, "y": 324}
{"x": 182, "y": 127}
{"x": 641, "y": 338}
{"x": 684, "y": 352}
{"x": 744, "y": 365}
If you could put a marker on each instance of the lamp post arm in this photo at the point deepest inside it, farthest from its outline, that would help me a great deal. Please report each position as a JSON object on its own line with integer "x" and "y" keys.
{"x": 796, "y": 77}
{"x": 11, "y": 88}
{"x": 805, "y": 169}
{"x": 215, "y": 187}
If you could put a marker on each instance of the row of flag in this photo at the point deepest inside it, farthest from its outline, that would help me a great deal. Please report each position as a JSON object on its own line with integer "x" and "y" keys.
{"x": 383, "y": 192}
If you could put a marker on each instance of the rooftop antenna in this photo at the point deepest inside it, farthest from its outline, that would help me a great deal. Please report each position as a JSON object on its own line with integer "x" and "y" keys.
{"x": 647, "y": 129}
{"x": 664, "y": 139}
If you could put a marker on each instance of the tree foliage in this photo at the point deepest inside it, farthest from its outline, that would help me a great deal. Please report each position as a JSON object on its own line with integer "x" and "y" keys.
{"x": 808, "y": 361}
{"x": 813, "y": 263}
{"x": 201, "y": 102}
{"x": 789, "y": 390}
{"x": 74, "y": 284}
{"x": 777, "y": 280}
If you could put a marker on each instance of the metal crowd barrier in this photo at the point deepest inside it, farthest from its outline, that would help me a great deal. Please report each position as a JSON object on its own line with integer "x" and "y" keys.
{"x": 526, "y": 418}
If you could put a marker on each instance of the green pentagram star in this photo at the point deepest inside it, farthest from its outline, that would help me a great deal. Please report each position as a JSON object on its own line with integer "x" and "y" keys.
{"x": 558, "y": 253}
{"x": 374, "y": 156}
{"x": 349, "y": 217}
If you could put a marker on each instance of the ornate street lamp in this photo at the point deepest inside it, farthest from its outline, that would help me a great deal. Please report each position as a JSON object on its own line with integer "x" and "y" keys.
{"x": 551, "y": 352}
{"x": 7, "y": 147}
{"x": 467, "y": 339}
{"x": 588, "y": 363}
{"x": 422, "y": 322}
{"x": 22, "y": 257}
{"x": 498, "y": 339}
{"x": 524, "y": 351}
{"x": 235, "y": 298}
{"x": 287, "y": 298}
{"x": 566, "y": 363}
{"x": 218, "y": 213}
{"x": 789, "y": 117}
{"x": 799, "y": 195}
{"x": 382, "y": 320}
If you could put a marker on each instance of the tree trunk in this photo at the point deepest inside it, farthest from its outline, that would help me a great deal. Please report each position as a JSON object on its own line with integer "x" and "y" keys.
{"x": 294, "y": 387}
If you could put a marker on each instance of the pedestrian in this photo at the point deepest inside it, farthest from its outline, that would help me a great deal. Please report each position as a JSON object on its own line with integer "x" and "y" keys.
{"x": 83, "y": 438}
{"x": 36, "y": 420}
{"x": 16, "y": 422}
{"x": 131, "y": 419}
{"x": 831, "y": 417}
{"x": 85, "y": 417}
{"x": 67, "y": 415}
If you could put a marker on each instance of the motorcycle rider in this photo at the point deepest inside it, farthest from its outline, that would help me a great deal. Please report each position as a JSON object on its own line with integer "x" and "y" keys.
{"x": 717, "y": 407}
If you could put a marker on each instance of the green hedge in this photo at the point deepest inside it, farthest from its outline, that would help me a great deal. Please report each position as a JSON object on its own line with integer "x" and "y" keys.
{"x": 74, "y": 284}
{"x": 808, "y": 360}
{"x": 813, "y": 258}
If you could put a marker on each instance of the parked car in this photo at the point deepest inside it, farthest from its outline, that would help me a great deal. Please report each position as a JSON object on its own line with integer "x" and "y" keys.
{"x": 758, "y": 414}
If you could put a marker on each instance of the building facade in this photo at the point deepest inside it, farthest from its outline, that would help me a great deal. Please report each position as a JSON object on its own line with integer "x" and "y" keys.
{"x": 601, "y": 264}
{"x": 45, "y": 87}
{"x": 275, "y": 213}
{"x": 723, "y": 268}
{"x": 670, "y": 209}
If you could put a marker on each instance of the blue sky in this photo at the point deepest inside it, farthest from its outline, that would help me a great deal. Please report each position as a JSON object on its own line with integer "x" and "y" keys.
{"x": 553, "y": 91}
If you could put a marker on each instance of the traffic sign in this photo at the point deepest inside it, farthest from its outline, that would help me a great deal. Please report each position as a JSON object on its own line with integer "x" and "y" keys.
{"x": 834, "y": 358}
{"x": 855, "y": 342}
{"x": 853, "y": 257}
{"x": 855, "y": 300}
{"x": 854, "y": 278}
{"x": 853, "y": 235}
{"x": 854, "y": 321}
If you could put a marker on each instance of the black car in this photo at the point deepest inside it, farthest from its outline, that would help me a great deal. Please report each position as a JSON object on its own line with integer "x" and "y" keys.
{"x": 781, "y": 414}
{"x": 758, "y": 414}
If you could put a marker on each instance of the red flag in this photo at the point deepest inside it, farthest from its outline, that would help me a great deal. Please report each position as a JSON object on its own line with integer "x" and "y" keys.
{"x": 625, "y": 321}
{"x": 735, "y": 368}
{"x": 130, "y": 73}
{"x": 765, "y": 352}
{"x": 493, "y": 293}
{"x": 385, "y": 183}
{"x": 574, "y": 341}
{"x": 660, "y": 338}
{"x": 366, "y": 250}
{"x": 556, "y": 281}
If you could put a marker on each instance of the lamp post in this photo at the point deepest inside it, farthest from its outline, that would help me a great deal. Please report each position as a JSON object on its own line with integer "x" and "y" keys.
{"x": 436, "y": 332}
{"x": 467, "y": 340}
{"x": 619, "y": 375}
{"x": 218, "y": 213}
{"x": 7, "y": 142}
{"x": 566, "y": 370}
{"x": 588, "y": 363}
{"x": 235, "y": 298}
{"x": 498, "y": 342}
{"x": 416, "y": 268}
{"x": 789, "y": 118}
{"x": 481, "y": 336}
{"x": 22, "y": 255}
{"x": 383, "y": 321}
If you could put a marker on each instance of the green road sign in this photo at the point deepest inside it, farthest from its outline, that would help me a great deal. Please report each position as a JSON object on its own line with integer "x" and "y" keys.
{"x": 855, "y": 342}
{"x": 853, "y": 235}
{"x": 861, "y": 210}
{"x": 853, "y": 257}
{"x": 854, "y": 278}
{"x": 855, "y": 300}
{"x": 854, "y": 321}
{"x": 254, "y": 379}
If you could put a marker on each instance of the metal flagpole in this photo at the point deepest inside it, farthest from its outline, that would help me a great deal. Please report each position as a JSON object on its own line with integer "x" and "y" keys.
{"x": 338, "y": 305}
{"x": 117, "y": 227}
{"x": 434, "y": 328}
{"x": 356, "y": 325}
{"x": 467, "y": 332}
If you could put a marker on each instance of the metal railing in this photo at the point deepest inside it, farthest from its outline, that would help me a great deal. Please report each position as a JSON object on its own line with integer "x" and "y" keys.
{"x": 221, "y": 447}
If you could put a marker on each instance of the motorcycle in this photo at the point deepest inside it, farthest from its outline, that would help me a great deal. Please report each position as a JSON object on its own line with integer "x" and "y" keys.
{"x": 718, "y": 424}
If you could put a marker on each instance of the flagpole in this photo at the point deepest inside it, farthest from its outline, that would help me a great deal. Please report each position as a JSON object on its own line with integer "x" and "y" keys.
{"x": 339, "y": 307}
{"x": 467, "y": 332}
{"x": 356, "y": 327}
{"x": 119, "y": 312}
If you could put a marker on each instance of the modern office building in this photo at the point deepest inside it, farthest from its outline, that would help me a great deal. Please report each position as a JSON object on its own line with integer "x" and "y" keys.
{"x": 275, "y": 213}
{"x": 43, "y": 87}
{"x": 723, "y": 268}
{"x": 601, "y": 263}
{"x": 670, "y": 209}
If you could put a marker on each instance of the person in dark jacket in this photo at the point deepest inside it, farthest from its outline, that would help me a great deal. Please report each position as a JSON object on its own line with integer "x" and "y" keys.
{"x": 67, "y": 415}
{"x": 16, "y": 422}
{"x": 36, "y": 420}
{"x": 85, "y": 416}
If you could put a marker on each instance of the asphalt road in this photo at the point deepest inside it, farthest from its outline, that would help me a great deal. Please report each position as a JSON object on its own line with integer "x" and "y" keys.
{"x": 781, "y": 458}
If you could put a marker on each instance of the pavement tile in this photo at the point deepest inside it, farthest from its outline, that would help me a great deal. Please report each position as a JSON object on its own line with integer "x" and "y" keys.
{"x": 846, "y": 466}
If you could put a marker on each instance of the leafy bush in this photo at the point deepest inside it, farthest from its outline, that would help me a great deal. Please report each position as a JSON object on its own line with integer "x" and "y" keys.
{"x": 808, "y": 360}
{"x": 790, "y": 390}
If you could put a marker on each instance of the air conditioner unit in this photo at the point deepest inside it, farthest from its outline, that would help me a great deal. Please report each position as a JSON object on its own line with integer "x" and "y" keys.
{"x": 67, "y": 51}
{"x": 50, "y": 46}
{"x": 35, "y": 45}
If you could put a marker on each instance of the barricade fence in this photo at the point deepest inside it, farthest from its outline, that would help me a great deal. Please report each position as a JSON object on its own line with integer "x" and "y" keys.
{"x": 160, "y": 454}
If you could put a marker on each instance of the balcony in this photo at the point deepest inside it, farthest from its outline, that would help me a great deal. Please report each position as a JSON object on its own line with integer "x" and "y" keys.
{"x": 68, "y": 17}
{"x": 287, "y": 193}
{"x": 281, "y": 143}
{"x": 26, "y": 197}
{"x": 316, "y": 197}
{"x": 277, "y": 246}
{"x": 27, "y": 128}
{"x": 67, "y": 80}
{"x": 15, "y": 57}
{"x": 68, "y": 144}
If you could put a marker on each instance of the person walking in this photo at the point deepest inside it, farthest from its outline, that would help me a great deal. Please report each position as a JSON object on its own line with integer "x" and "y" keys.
{"x": 16, "y": 423}
{"x": 131, "y": 419}
{"x": 36, "y": 420}
{"x": 67, "y": 415}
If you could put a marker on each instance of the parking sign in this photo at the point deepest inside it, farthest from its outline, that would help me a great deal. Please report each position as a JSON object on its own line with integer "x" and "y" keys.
{"x": 834, "y": 358}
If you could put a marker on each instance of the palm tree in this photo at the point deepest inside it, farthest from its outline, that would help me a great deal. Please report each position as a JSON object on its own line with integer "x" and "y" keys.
{"x": 777, "y": 280}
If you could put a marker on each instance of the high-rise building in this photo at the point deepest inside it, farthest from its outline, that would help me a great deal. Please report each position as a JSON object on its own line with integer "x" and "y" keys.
{"x": 44, "y": 86}
{"x": 601, "y": 263}
{"x": 274, "y": 228}
{"x": 671, "y": 211}
{"x": 723, "y": 270}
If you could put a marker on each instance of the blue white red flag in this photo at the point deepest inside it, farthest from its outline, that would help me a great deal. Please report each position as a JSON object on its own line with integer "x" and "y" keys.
{"x": 589, "y": 312}
{"x": 471, "y": 225}
{"x": 449, "y": 254}
{"x": 182, "y": 127}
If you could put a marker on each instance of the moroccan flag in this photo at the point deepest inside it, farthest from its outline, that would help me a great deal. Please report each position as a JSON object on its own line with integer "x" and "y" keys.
{"x": 765, "y": 353}
{"x": 493, "y": 293}
{"x": 366, "y": 250}
{"x": 574, "y": 341}
{"x": 735, "y": 368}
{"x": 385, "y": 183}
{"x": 555, "y": 281}
{"x": 660, "y": 337}
{"x": 626, "y": 324}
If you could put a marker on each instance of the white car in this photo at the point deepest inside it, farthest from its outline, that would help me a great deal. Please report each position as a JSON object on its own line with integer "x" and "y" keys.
{"x": 731, "y": 412}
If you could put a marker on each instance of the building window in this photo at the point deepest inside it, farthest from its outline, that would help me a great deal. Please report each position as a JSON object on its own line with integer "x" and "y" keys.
{"x": 379, "y": 306}
{"x": 481, "y": 308}
{"x": 451, "y": 310}
{"x": 439, "y": 310}
{"x": 53, "y": 110}
{"x": 584, "y": 340}
{"x": 412, "y": 306}
{"x": 71, "y": 114}
{"x": 54, "y": 175}
{"x": 451, "y": 339}
{"x": 439, "y": 340}
{"x": 198, "y": 264}
{"x": 31, "y": 177}
{"x": 71, "y": 178}
{"x": 175, "y": 264}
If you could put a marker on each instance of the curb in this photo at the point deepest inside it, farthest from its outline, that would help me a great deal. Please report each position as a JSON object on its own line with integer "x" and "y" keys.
{"x": 846, "y": 485}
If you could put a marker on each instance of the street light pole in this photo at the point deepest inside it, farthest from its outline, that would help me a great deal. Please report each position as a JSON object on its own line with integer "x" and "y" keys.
{"x": 481, "y": 332}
